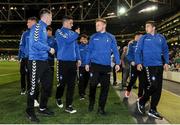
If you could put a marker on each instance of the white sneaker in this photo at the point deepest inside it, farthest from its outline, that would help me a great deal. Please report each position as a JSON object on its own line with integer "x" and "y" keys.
{"x": 23, "y": 92}
{"x": 70, "y": 110}
{"x": 59, "y": 103}
{"x": 99, "y": 85}
{"x": 36, "y": 104}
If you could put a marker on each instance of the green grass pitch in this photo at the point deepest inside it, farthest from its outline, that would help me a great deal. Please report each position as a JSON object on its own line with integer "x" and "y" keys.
{"x": 12, "y": 104}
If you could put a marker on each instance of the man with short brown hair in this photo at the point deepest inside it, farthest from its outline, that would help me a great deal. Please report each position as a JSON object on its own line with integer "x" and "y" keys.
{"x": 101, "y": 45}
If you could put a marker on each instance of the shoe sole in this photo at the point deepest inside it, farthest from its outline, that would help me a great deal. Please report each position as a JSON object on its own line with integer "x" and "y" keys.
{"x": 60, "y": 106}
{"x": 71, "y": 112}
{"x": 82, "y": 99}
{"x": 151, "y": 115}
{"x": 36, "y": 106}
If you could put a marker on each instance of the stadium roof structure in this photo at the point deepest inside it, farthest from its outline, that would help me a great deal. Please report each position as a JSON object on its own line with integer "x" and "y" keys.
{"x": 12, "y": 11}
{"x": 127, "y": 16}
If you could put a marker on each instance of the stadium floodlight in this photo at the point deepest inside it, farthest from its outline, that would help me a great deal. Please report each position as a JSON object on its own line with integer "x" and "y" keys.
{"x": 149, "y": 9}
{"x": 80, "y": 6}
{"x": 64, "y": 7}
{"x": 89, "y": 4}
{"x": 53, "y": 8}
{"x": 72, "y": 7}
{"x": 11, "y": 8}
{"x": 122, "y": 10}
{"x": 111, "y": 14}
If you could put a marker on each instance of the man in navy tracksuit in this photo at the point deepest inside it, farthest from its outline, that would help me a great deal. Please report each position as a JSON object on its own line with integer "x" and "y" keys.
{"x": 38, "y": 66}
{"x": 52, "y": 43}
{"x": 83, "y": 74}
{"x": 23, "y": 56}
{"x": 133, "y": 68}
{"x": 68, "y": 56}
{"x": 148, "y": 58}
{"x": 101, "y": 45}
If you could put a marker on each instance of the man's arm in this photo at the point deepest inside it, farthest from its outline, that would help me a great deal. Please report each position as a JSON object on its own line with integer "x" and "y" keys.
{"x": 21, "y": 45}
{"x": 37, "y": 44}
{"x": 69, "y": 37}
{"x": 115, "y": 51}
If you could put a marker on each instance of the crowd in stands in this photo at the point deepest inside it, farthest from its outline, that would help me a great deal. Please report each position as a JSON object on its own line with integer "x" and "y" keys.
{"x": 174, "y": 55}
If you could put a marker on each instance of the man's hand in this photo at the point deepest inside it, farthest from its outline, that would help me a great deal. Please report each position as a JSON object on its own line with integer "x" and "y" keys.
{"x": 77, "y": 30}
{"x": 87, "y": 68}
{"x": 79, "y": 63}
{"x": 139, "y": 67}
{"x": 52, "y": 51}
{"x": 133, "y": 63}
{"x": 130, "y": 42}
{"x": 19, "y": 62}
{"x": 117, "y": 68}
{"x": 166, "y": 67}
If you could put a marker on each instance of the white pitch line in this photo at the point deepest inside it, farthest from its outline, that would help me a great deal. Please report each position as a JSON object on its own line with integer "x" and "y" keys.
{"x": 7, "y": 74}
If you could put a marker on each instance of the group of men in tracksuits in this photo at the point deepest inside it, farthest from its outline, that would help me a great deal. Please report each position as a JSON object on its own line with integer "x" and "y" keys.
{"x": 40, "y": 60}
{"x": 93, "y": 59}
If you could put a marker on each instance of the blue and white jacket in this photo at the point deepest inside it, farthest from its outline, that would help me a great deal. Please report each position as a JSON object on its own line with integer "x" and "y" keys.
{"x": 68, "y": 49}
{"x": 101, "y": 45}
{"x": 38, "y": 46}
{"x": 150, "y": 50}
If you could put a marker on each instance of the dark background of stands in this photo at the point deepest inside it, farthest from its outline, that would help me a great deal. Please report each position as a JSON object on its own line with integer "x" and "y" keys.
{"x": 12, "y": 21}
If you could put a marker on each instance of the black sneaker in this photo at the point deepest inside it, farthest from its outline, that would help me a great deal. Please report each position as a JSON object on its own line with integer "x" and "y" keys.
{"x": 81, "y": 97}
{"x": 141, "y": 108}
{"x": 155, "y": 114}
{"x": 101, "y": 111}
{"x": 59, "y": 103}
{"x": 70, "y": 110}
{"x": 23, "y": 92}
{"x": 46, "y": 112}
{"x": 32, "y": 117}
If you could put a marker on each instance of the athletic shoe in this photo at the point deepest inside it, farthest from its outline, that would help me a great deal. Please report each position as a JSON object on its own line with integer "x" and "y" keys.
{"x": 32, "y": 117}
{"x": 36, "y": 104}
{"x": 141, "y": 108}
{"x": 46, "y": 112}
{"x": 70, "y": 110}
{"x": 127, "y": 94}
{"x": 101, "y": 111}
{"x": 82, "y": 97}
{"x": 23, "y": 92}
{"x": 59, "y": 103}
{"x": 99, "y": 85}
{"x": 155, "y": 114}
